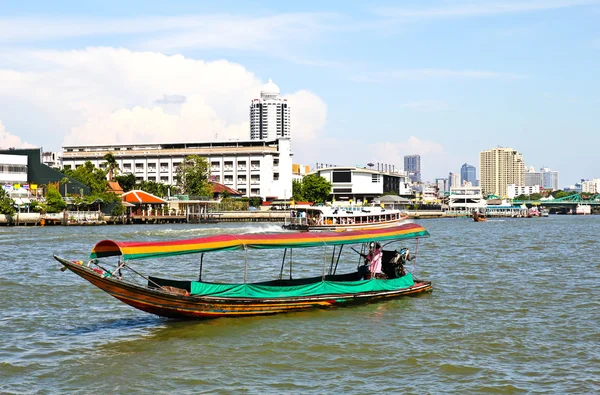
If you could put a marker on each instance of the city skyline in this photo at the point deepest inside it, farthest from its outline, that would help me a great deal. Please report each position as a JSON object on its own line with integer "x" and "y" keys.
{"x": 464, "y": 77}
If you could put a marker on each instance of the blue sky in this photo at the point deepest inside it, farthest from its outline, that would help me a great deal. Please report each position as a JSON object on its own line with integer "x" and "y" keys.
{"x": 368, "y": 81}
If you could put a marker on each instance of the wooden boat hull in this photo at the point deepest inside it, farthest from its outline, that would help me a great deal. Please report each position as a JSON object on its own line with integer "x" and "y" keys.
{"x": 176, "y": 305}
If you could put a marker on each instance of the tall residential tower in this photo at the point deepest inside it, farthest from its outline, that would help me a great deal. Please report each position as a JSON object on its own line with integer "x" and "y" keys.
{"x": 500, "y": 167}
{"x": 412, "y": 165}
{"x": 269, "y": 115}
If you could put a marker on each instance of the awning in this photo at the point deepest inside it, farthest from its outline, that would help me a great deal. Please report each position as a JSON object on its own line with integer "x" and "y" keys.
{"x": 22, "y": 201}
{"x": 138, "y": 250}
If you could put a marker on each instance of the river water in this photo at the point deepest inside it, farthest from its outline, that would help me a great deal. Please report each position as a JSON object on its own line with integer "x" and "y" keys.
{"x": 515, "y": 309}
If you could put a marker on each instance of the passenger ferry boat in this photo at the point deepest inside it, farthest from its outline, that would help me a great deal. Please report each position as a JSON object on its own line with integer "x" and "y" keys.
{"x": 342, "y": 218}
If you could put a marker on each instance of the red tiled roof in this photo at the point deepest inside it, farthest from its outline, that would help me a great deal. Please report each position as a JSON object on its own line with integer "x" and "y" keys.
{"x": 219, "y": 188}
{"x": 141, "y": 197}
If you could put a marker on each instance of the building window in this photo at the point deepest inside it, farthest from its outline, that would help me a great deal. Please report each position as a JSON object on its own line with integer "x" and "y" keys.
{"x": 375, "y": 178}
{"x": 342, "y": 176}
{"x": 255, "y": 164}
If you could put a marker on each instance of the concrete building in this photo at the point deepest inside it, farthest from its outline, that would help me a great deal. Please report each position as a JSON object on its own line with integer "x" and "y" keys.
{"x": 442, "y": 185}
{"x": 466, "y": 199}
{"x": 515, "y": 190}
{"x": 453, "y": 180}
{"x": 269, "y": 115}
{"x": 591, "y": 186}
{"x": 255, "y": 168}
{"x": 468, "y": 173}
{"x": 13, "y": 169}
{"x": 355, "y": 183}
{"x": 52, "y": 159}
{"x": 299, "y": 171}
{"x": 412, "y": 166}
{"x": 546, "y": 178}
{"x": 500, "y": 167}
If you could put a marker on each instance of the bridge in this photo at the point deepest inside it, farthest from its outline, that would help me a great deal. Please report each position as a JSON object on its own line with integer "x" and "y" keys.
{"x": 567, "y": 201}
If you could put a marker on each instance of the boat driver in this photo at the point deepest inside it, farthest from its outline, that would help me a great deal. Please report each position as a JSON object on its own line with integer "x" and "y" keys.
{"x": 372, "y": 261}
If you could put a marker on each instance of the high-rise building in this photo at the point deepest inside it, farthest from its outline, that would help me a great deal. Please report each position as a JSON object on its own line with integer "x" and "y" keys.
{"x": 546, "y": 178}
{"x": 269, "y": 115}
{"x": 468, "y": 173}
{"x": 498, "y": 168}
{"x": 453, "y": 180}
{"x": 412, "y": 166}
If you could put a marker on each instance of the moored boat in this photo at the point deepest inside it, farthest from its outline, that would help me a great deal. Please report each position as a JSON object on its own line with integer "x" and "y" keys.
{"x": 202, "y": 299}
{"x": 336, "y": 218}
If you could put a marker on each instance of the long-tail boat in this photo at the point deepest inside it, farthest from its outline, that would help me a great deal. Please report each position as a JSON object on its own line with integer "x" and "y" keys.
{"x": 202, "y": 299}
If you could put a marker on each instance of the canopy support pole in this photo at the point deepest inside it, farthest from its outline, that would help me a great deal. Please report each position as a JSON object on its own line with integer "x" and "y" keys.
{"x": 332, "y": 259}
{"x": 291, "y": 262}
{"x": 282, "y": 264}
{"x": 201, "y": 261}
{"x": 324, "y": 261}
{"x": 338, "y": 259}
{"x": 246, "y": 265}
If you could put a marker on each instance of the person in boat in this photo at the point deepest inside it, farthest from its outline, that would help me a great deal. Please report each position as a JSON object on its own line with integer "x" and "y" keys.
{"x": 401, "y": 258}
{"x": 372, "y": 264}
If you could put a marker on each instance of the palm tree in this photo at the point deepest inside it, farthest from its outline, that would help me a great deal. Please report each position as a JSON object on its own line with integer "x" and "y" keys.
{"x": 112, "y": 167}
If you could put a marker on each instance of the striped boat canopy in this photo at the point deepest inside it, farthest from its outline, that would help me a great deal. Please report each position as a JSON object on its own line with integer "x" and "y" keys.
{"x": 139, "y": 250}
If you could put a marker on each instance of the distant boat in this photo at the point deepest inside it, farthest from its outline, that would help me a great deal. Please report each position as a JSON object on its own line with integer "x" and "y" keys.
{"x": 327, "y": 218}
{"x": 478, "y": 217}
{"x": 201, "y": 299}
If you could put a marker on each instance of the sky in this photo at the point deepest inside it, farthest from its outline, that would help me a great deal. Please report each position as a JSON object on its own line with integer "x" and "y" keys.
{"x": 368, "y": 81}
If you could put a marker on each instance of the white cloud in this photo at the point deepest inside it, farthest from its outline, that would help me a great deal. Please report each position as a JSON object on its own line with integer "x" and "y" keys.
{"x": 469, "y": 9}
{"x": 8, "y": 140}
{"x": 117, "y": 95}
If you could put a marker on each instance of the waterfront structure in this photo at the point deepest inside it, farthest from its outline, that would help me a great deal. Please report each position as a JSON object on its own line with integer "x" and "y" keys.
{"x": 468, "y": 173}
{"x": 360, "y": 184}
{"x": 500, "y": 167}
{"x": 466, "y": 199}
{"x": 453, "y": 180}
{"x": 255, "y": 168}
{"x": 516, "y": 190}
{"x": 546, "y": 178}
{"x": 412, "y": 166}
{"x": 269, "y": 115}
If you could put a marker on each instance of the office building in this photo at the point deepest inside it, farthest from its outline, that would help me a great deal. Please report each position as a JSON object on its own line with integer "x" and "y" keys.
{"x": 546, "y": 178}
{"x": 498, "y": 168}
{"x": 269, "y": 115}
{"x": 453, "y": 180}
{"x": 468, "y": 173}
{"x": 412, "y": 166}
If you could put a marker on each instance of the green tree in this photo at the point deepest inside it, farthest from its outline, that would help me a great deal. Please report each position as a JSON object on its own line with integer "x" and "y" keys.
{"x": 127, "y": 181}
{"x": 315, "y": 188}
{"x": 153, "y": 187}
{"x": 192, "y": 176}
{"x": 54, "y": 202}
{"x": 112, "y": 167}
{"x": 6, "y": 203}
{"x": 297, "y": 190}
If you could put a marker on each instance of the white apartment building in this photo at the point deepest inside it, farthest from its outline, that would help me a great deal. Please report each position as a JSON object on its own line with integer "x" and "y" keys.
{"x": 515, "y": 190}
{"x": 52, "y": 159}
{"x": 355, "y": 183}
{"x": 591, "y": 186}
{"x": 13, "y": 169}
{"x": 255, "y": 168}
{"x": 269, "y": 115}
{"x": 498, "y": 168}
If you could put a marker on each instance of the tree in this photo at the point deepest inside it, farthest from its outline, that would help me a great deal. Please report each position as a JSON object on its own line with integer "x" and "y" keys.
{"x": 6, "y": 203}
{"x": 54, "y": 202}
{"x": 192, "y": 175}
{"x": 315, "y": 188}
{"x": 297, "y": 190}
{"x": 112, "y": 167}
{"x": 153, "y": 187}
{"x": 127, "y": 181}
